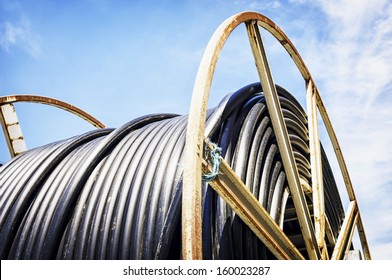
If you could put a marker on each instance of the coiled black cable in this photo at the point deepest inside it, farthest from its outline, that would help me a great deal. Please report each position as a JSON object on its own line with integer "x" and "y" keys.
{"x": 116, "y": 194}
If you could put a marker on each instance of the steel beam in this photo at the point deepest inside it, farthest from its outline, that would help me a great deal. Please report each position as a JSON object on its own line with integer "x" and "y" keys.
{"x": 346, "y": 232}
{"x": 316, "y": 169}
{"x": 329, "y": 233}
{"x": 281, "y": 134}
{"x": 344, "y": 171}
{"x": 12, "y": 130}
{"x": 234, "y": 192}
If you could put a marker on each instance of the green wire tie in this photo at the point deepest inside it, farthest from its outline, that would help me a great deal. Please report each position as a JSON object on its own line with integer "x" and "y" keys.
{"x": 215, "y": 156}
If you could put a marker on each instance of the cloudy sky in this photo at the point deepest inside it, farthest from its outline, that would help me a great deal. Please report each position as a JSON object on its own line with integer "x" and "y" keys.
{"x": 122, "y": 59}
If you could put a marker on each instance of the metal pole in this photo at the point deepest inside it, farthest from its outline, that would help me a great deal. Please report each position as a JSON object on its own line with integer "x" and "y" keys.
{"x": 282, "y": 138}
{"x": 316, "y": 169}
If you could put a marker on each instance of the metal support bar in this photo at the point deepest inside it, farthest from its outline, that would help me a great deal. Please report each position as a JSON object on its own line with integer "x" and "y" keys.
{"x": 329, "y": 232}
{"x": 363, "y": 239}
{"x": 281, "y": 134}
{"x": 234, "y": 192}
{"x": 346, "y": 232}
{"x": 193, "y": 151}
{"x": 316, "y": 169}
{"x": 344, "y": 171}
{"x": 12, "y": 130}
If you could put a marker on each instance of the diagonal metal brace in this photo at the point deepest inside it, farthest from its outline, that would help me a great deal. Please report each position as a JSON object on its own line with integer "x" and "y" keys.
{"x": 282, "y": 138}
{"x": 235, "y": 193}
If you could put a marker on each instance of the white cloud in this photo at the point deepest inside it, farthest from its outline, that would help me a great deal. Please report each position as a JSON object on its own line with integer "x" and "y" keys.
{"x": 353, "y": 64}
{"x": 19, "y": 35}
{"x": 259, "y": 5}
{"x": 352, "y": 17}
{"x": 382, "y": 251}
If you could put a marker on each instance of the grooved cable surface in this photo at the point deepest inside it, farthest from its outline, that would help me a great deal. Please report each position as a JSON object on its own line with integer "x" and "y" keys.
{"x": 116, "y": 194}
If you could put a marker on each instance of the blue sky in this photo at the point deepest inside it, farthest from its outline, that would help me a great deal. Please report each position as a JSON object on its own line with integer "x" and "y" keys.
{"x": 122, "y": 59}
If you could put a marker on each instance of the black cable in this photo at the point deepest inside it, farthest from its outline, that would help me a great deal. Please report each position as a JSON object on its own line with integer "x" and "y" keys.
{"x": 116, "y": 194}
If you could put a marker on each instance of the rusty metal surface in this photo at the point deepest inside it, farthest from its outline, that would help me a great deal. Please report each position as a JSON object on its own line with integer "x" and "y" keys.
{"x": 12, "y": 130}
{"x": 52, "y": 102}
{"x": 11, "y": 126}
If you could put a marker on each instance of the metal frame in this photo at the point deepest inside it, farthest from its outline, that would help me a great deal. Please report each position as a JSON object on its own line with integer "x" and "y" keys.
{"x": 232, "y": 189}
{"x": 11, "y": 126}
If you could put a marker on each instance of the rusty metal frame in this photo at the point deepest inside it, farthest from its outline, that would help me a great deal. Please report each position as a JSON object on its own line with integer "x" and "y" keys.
{"x": 314, "y": 235}
{"x": 11, "y": 126}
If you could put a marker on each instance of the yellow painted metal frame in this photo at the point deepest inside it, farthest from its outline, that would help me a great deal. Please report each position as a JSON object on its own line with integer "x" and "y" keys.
{"x": 11, "y": 125}
{"x": 230, "y": 186}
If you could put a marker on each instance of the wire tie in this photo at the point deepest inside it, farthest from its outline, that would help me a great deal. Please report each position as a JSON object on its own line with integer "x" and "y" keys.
{"x": 215, "y": 156}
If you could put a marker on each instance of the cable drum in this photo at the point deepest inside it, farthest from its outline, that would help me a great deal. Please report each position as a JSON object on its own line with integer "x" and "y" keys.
{"x": 116, "y": 194}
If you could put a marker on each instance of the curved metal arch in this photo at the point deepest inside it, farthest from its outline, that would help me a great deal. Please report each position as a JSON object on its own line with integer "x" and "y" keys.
{"x": 52, "y": 102}
{"x": 11, "y": 126}
{"x": 191, "y": 199}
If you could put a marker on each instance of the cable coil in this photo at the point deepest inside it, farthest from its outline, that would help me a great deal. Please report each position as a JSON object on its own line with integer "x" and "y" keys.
{"x": 116, "y": 194}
